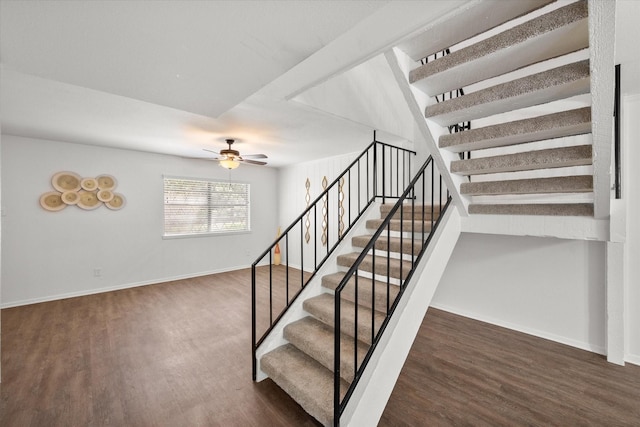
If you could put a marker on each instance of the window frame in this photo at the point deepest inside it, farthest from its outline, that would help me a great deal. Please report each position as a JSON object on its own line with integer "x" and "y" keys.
{"x": 209, "y": 206}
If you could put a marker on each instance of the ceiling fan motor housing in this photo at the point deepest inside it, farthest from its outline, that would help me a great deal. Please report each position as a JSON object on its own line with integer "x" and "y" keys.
{"x": 230, "y": 153}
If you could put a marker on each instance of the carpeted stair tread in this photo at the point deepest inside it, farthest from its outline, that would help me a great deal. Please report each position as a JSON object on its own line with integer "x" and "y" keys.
{"x": 394, "y": 265}
{"x": 466, "y": 25}
{"x": 561, "y": 31}
{"x": 392, "y": 244}
{"x": 546, "y": 86}
{"x": 304, "y": 379}
{"x": 556, "y": 125}
{"x": 579, "y": 155}
{"x": 316, "y": 339}
{"x": 405, "y": 226}
{"x": 406, "y": 210}
{"x": 365, "y": 289}
{"x": 550, "y": 209}
{"x": 560, "y": 184}
{"x": 322, "y": 308}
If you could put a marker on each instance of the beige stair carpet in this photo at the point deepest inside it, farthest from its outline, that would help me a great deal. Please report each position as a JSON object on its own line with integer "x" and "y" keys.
{"x": 549, "y": 126}
{"x": 579, "y": 155}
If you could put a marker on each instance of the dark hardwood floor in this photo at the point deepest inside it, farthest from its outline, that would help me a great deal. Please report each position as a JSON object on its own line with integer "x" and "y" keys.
{"x": 461, "y": 372}
{"x": 179, "y": 354}
{"x": 172, "y": 354}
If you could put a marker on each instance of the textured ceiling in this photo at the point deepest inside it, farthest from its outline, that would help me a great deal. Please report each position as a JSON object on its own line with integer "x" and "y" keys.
{"x": 202, "y": 57}
{"x": 174, "y": 77}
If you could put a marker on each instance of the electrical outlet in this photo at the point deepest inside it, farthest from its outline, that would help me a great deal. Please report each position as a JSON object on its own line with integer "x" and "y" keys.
{"x": 97, "y": 272}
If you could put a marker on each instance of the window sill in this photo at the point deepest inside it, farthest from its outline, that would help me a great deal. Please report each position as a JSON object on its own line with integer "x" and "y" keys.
{"x": 189, "y": 236}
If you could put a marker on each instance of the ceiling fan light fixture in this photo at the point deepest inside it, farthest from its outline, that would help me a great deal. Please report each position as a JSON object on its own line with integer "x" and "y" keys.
{"x": 229, "y": 163}
{"x": 231, "y": 159}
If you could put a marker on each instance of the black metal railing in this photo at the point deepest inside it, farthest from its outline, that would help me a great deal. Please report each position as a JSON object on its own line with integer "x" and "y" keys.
{"x": 381, "y": 171}
{"x": 419, "y": 209}
{"x": 458, "y": 127}
{"x": 616, "y": 137}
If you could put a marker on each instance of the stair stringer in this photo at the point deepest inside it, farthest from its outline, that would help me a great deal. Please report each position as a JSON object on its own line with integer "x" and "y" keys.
{"x": 417, "y": 102}
{"x": 367, "y": 403}
{"x": 295, "y": 311}
{"x": 602, "y": 24}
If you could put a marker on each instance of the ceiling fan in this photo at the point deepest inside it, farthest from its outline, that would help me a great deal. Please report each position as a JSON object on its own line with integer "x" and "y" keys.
{"x": 230, "y": 158}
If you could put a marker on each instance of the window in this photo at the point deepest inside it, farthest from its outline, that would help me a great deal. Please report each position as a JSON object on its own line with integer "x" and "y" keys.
{"x": 194, "y": 207}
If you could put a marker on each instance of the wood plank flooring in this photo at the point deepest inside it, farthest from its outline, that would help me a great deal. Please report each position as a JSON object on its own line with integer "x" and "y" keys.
{"x": 461, "y": 372}
{"x": 173, "y": 354}
{"x": 179, "y": 354}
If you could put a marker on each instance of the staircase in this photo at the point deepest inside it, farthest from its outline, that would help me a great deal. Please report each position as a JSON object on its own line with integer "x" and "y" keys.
{"x": 537, "y": 146}
{"x": 527, "y": 93}
{"x": 304, "y": 367}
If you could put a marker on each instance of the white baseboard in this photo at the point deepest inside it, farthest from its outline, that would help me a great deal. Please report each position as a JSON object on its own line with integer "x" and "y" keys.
{"x": 526, "y": 330}
{"x": 634, "y": 359}
{"x": 116, "y": 287}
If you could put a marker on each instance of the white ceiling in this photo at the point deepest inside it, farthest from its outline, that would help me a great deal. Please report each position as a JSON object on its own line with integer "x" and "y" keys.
{"x": 203, "y": 57}
{"x": 174, "y": 77}
{"x": 169, "y": 77}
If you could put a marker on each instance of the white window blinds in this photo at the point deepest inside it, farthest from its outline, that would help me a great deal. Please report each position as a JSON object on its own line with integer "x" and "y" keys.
{"x": 193, "y": 207}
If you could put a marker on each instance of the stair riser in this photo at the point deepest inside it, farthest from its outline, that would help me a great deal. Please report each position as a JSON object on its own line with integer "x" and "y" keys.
{"x": 532, "y": 160}
{"x": 311, "y": 387}
{"x": 379, "y": 277}
{"x": 571, "y": 184}
{"x": 408, "y": 207}
{"x": 406, "y": 226}
{"x": 316, "y": 340}
{"x": 365, "y": 292}
{"x": 466, "y": 26}
{"x": 548, "y": 36}
{"x": 364, "y": 296}
{"x": 381, "y": 266}
{"x": 560, "y": 83}
{"x": 557, "y": 125}
{"x": 347, "y": 324}
{"x": 575, "y": 209}
{"x": 394, "y": 246}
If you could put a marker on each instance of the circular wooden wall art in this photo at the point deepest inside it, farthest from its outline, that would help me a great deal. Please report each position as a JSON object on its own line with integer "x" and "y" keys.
{"x": 66, "y": 181}
{"x": 52, "y": 201}
{"x": 88, "y": 200}
{"x": 70, "y": 197}
{"x": 117, "y": 202}
{"x": 87, "y": 193}
{"x": 106, "y": 182}
{"x": 89, "y": 184}
{"x": 105, "y": 195}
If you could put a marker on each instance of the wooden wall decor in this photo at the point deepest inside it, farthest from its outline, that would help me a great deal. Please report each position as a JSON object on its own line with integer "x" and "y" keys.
{"x": 86, "y": 193}
{"x": 324, "y": 213}
{"x": 307, "y": 221}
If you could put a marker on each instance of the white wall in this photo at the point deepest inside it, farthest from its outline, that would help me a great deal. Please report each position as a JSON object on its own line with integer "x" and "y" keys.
{"x": 365, "y": 94}
{"x": 547, "y": 287}
{"x": 1, "y": 215}
{"x": 627, "y": 54}
{"x": 49, "y": 255}
{"x": 292, "y": 192}
{"x": 563, "y": 279}
{"x": 292, "y": 195}
{"x": 630, "y": 193}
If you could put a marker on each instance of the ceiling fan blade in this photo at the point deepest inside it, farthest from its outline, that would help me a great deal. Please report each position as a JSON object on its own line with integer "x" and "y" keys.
{"x": 253, "y": 162}
{"x": 254, "y": 156}
{"x": 211, "y": 151}
{"x": 200, "y": 158}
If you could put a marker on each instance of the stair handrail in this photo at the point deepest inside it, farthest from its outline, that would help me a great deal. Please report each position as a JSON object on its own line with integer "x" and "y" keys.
{"x": 284, "y": 236}
{"x": 616, "y": 136}
{"x": 408, "y": 194}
